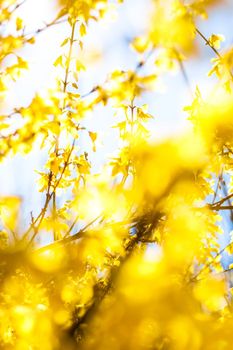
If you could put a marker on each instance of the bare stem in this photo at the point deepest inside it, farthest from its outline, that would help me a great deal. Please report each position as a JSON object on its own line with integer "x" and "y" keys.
{"x": 208, "y": 43}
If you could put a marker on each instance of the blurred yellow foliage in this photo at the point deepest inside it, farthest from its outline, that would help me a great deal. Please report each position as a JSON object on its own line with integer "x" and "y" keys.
{"x": 127, "y": 256}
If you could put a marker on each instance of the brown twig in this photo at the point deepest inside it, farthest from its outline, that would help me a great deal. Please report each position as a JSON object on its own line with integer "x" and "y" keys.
{"x": 49, "y": 196}
{"x": 217, "y": 205}
{"x": 208, "y": 43}
{"x": 54, "y": 22}
{"x": 184, "y": 73}
{"x": 225, "y": 191}
{"x": 52, "y": 195}
{"x": 71, "y": 226}
{"x": 69, "y": 239}
{"x": 194, "y": 278}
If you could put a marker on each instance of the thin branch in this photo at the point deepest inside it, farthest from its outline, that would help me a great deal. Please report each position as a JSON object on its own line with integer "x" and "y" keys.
{"x": 226, "y": 270}
{"x": 17, "y": 6}
{"x": 223, "y": 207}
{"x": 94, "y": 89}
{"x": 69, "y": 239}
{"x": 49, "y": 195}
{"x": 217, "y": 188}
{"x": 54, "y": 211}
{"x": 143, "y": 62}
{"x": 41, "y": 216}
{"x": 71, "y": 227}
{"x": 211, "y": 262}
{"x": 69, "y": 58}
{"x": 218, "y": 204}
{"x": 13, "y": 9}
{"x": 184, "y": 73}
{"x": 225, "y": 191}
{"x": 208, "y": 43}
{"x": 47, "y": 25}
{"x": 138, "y": 67}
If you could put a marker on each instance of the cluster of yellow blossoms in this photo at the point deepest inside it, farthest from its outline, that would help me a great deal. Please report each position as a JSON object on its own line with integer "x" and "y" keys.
{"x": 134, "y": 260}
